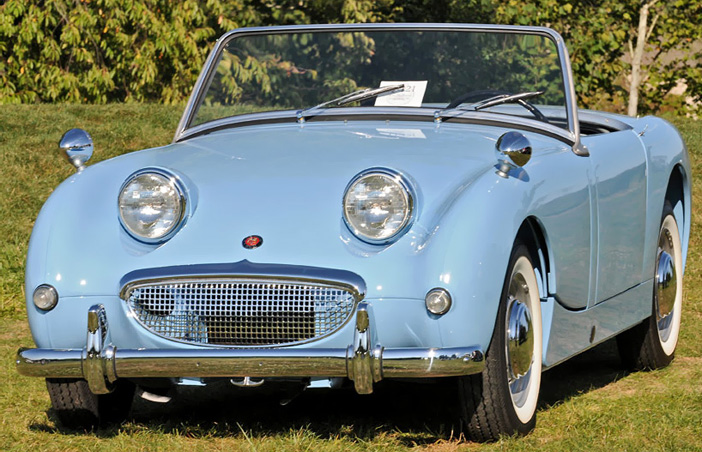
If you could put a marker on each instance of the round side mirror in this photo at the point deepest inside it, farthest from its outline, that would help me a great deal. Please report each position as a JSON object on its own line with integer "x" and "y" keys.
{"x": 514, "y": 150}
{"x": 78, "y": 146}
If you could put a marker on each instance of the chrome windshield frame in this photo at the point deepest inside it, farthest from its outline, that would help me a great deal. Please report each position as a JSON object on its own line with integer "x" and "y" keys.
{"x": 184, "y": 130}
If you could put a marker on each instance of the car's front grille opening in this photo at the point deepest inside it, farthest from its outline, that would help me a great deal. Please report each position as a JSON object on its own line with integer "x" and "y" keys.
{"x": 243, "y": 313}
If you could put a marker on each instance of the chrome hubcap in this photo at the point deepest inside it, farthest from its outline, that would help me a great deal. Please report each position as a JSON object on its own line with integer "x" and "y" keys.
{"x": 666, "y": 286}
{"x": 519, "y": 340}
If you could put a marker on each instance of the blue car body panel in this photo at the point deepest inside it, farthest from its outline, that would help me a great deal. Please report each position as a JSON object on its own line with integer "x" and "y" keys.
{"x": 587, "y": 202}
{"x": 599, "y": 216}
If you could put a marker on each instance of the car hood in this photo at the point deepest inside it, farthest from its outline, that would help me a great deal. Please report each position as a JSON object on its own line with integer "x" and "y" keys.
{"x": 282, "y": 182}
{"x": 286, "y": 182}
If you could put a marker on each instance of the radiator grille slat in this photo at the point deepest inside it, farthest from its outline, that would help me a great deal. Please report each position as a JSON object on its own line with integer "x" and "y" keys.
{"x": 242, "y": 313}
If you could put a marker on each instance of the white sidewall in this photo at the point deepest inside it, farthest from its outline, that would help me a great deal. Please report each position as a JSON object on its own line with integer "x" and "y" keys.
{"x": 527, "y": 410}
{"x": 669, "y": 345}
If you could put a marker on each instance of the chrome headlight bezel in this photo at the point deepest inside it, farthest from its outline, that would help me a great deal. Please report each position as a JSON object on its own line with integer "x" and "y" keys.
{"x": 410, "y": 198}
{"x": 173, "y": 181}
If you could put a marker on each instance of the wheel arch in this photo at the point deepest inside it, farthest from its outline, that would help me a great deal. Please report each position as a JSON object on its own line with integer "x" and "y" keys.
{"x": 678, "y": 193}
{"x": 532, "y": 234}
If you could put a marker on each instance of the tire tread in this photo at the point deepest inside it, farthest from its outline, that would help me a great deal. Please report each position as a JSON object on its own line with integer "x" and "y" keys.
{"x": 484, "y": 407}
{"x": 75, "y": 405}
{"x": 639, "y": 347}
{"x": 77, "y": 408}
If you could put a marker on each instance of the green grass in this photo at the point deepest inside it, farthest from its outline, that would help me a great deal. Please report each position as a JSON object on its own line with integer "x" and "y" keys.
{"x": 587, "y": 403}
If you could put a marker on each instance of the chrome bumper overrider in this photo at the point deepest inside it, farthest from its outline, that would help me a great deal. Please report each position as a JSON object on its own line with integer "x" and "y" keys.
{"x": 101, "y": 363}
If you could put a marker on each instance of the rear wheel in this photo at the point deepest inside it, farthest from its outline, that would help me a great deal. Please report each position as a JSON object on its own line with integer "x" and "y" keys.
{"x": 502, "y": 399}
{"x": 77, "y": 408}
{"x": 651, "y": 344}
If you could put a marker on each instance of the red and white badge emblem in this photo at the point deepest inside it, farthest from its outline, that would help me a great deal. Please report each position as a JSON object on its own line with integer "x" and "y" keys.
{"x": 252, "y": 241}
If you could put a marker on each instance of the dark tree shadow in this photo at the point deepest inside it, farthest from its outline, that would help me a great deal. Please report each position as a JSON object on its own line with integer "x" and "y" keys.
{"x": 415, "y": 413}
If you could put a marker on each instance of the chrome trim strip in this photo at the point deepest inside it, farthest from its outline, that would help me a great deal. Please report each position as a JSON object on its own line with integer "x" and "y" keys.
{"x": 210, "y": 65}
{"x": 243, "y": 270}
{"x": 358, "y": 362}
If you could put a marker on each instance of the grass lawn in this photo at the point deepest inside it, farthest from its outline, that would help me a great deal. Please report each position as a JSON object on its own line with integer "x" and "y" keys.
{"x": 588, "y": 403}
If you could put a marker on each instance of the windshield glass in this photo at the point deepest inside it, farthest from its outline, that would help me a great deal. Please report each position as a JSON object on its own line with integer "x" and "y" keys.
{"x": 437, "y": 69}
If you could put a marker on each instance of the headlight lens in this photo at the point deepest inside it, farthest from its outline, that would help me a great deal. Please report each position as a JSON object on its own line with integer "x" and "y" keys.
{"x": 378, "y": 205}
{"x": 151, "y": 205}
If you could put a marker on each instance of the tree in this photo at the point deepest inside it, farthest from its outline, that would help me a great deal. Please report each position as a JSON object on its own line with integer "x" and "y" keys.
{"x": 643, "y": 33}
{"x": 672, "y": 56}
{"x": 152, "y": 50}
{"x": 598, "y": 33}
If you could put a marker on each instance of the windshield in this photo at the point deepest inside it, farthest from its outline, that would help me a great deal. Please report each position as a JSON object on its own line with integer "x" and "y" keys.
{"x": 305, "y": 70}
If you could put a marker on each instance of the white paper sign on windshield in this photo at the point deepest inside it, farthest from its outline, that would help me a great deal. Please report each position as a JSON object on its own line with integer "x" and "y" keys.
{"x": 411, "y": 96}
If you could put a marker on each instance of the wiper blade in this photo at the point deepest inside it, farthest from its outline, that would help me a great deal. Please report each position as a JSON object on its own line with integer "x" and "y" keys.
{"x": 491, "y": 102}
{"x": 504, "y": 99}
{"x": 356, "y": 96}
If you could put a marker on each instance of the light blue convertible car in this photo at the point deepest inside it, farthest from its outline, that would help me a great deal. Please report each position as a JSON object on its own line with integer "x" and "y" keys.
{"x": 352, "y": 203}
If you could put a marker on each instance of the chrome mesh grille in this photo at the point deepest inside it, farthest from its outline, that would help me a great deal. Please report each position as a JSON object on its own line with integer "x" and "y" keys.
{"x": 241, "y": 312}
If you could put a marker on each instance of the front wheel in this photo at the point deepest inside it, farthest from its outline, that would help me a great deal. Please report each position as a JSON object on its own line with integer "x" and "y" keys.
{"x": 502, "y": 399}
{"x": 77, "y": 408}
{"x": 652, "y": 344}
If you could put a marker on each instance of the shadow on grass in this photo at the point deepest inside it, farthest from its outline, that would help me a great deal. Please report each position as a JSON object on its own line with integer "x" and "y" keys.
{"x": 593, "y": 369}
{"x": 412, "y": 413}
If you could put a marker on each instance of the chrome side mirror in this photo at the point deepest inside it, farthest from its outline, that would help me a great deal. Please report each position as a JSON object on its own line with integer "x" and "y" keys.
{"x": 78, "y": 146}
{"x": 513, "y": 150}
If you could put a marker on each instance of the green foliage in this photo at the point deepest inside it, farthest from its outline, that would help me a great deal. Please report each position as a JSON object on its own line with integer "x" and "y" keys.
{"x": 675, "y": 53}
{"x": 599, "y": 35}
{"x": 104, "y": 50}
{"x": 100, "y": 51}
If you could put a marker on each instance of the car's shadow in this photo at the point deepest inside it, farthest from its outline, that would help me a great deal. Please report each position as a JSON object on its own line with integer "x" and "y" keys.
{"x": 420, "y": 412}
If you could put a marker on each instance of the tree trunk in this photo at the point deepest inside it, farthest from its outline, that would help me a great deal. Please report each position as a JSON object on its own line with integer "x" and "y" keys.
{"x": 637, "y": 55}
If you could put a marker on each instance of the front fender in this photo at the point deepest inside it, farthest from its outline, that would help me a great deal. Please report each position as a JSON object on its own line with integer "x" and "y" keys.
{"x": 468, "y": 252}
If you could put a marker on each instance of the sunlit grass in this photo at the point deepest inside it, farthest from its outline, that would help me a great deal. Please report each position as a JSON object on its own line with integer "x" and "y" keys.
{"x": 587, "y": 403}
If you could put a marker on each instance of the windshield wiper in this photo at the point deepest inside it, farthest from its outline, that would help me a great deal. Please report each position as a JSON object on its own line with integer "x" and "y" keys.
{"x": 504, "y": 99}
{"x": 356, "y": 96}
{"x": 518, "y": 98}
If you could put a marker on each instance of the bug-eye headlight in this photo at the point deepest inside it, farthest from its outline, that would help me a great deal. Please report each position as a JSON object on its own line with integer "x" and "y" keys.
{"x": 378, "y": 205}
{"x": 151, "y": 205}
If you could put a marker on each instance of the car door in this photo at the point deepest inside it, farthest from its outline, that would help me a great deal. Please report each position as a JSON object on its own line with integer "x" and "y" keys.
{"x": 619, "y": 166}
{"x": 565, "y": 208}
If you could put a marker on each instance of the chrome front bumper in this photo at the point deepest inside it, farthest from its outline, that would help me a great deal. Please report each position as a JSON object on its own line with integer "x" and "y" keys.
{"x": 101, "y": 363}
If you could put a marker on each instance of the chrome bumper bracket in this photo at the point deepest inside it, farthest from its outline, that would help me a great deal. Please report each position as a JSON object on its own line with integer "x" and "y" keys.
{"x": 98, "y": 358}
{"x": 101, "y": 363}
{"x": 365, "y": 362}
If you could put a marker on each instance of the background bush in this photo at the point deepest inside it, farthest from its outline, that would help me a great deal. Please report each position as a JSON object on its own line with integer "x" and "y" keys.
{"x": 100, "y": 51}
